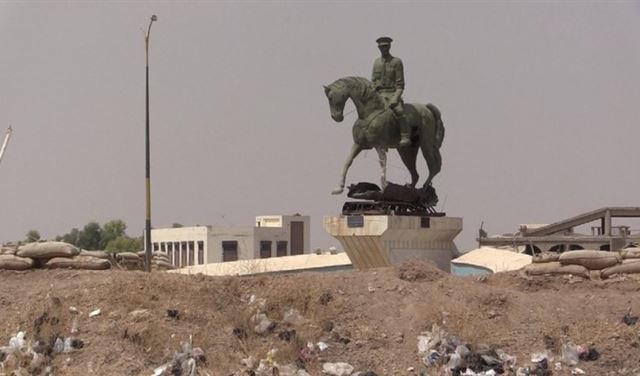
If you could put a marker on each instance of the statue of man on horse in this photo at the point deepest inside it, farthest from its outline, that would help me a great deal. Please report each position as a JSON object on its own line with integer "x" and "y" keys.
{"x": 384, "y": 122}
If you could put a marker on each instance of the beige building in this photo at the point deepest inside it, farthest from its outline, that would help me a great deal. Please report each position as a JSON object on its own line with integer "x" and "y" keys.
{"x": 272, "y": 236}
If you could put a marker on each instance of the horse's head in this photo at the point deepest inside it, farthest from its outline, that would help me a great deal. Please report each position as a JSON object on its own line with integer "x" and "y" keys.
{"x": 337, "y": 95}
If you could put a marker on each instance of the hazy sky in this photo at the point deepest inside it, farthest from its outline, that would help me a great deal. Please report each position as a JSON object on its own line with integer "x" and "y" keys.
{"x": 540, "y": 102}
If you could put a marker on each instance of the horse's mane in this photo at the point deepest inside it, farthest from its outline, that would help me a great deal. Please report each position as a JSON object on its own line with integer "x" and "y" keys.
{"x": 360, "y": 85}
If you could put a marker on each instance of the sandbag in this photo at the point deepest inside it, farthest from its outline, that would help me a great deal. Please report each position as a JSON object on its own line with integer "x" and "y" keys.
{"x": 47, "y": 250}
{"x": 592, "y": 260}
{"x": 555, "y": 267}
{"x": 624, "y": 268}
{"x": 98, "y": 254}
{"x": 78, "y": 262}
{"x": 11, "y": 262}
{"x": 631, "y": 253}
{"x": 8, "y": 250}
{"x": 129, "y": 256}
{"x": 154, "y": 253}
{"x": 161, "y": 264}
{"x": 545, "y": 257}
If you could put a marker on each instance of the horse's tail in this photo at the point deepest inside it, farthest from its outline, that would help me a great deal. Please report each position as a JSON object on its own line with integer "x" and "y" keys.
{"x": 439, "y": 124}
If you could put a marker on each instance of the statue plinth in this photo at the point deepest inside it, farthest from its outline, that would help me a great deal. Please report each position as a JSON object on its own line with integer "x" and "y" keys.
{"x": 373, "y": 241}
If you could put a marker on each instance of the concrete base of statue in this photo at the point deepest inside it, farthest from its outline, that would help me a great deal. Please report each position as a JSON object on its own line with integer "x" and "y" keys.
{"x": 373, "y": 241}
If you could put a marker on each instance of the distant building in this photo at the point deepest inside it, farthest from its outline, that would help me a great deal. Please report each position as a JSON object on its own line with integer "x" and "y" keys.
{"x": 561, "y": 236}
{"x": 272, "y": 236}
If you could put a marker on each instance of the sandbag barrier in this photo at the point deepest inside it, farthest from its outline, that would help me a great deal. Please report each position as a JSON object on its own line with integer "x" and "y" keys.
{"x": 60, "y": 255}
{"x": 586, "y": 263}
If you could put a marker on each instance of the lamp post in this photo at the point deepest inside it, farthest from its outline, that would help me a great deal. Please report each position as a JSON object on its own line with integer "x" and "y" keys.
{"x": 147, "y": 225}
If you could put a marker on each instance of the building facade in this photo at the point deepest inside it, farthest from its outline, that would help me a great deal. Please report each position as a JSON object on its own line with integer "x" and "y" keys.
{"x": 272, "y": 236}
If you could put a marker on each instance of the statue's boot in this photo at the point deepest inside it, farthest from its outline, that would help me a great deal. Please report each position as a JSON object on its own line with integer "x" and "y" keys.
{"x": 405, "y": 131}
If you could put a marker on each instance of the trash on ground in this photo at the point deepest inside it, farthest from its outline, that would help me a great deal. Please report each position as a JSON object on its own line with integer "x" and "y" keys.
{"x": 337, "y": 369}
{"x": 95, "y": 313}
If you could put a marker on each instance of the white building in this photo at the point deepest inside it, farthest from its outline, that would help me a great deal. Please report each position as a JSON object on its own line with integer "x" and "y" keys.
{"x": 272, "y": 236}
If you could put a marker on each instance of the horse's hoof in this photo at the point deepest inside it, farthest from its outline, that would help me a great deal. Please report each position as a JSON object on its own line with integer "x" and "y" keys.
{"x": 337, "y": 191}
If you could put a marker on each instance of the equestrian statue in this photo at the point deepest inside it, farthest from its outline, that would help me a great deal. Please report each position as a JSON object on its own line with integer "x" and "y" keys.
{"x": 385, "y": 122}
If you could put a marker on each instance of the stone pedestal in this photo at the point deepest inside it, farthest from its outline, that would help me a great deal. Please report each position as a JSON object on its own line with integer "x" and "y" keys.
{"x": 373, "y": 241}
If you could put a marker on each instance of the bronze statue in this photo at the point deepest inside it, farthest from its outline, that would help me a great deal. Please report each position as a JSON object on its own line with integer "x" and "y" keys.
{"x": 377, "y": 127}
{"x": 388, "y": 79}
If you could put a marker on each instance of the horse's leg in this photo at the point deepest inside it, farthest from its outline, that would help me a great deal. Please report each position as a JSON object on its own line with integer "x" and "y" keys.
{"x": 355, "y": 150}
{"x": 382, "y": 158}
{"x": 432, "y": 155}
{"x": 408, "y": 156}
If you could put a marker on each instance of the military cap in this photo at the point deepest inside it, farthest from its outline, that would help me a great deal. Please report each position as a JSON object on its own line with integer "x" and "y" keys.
{"x": 384, "y": 40}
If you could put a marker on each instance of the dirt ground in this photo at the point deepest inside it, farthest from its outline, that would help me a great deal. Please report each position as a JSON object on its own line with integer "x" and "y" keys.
{"x": 370, "y": 319}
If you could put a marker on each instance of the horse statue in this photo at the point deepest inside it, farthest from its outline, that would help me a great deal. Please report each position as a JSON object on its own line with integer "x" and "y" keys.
{"x": 376, "y": 127}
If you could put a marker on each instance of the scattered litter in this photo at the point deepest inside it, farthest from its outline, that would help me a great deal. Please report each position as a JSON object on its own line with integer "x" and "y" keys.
{"x": 629, "y": 320}
{"x": 74, "y": 326}
{"x": 261, "y": 323}
{"x": 73, "y": 310}
{"x": 441, "y": 350}
{"x": 184, "y": 363}
{"x": 25, "y": 357}
{"x": 322, "y": 346}
{"x": 72, "y": 344}
{"x": 287, "y": 335}
{"x": 337, "y": 369}
{"x": 577, "y": 371}
{"x": 95, "y": 313}
{"x": 173, "y": 313}
{"x": 589, "y": 354}
{"x": 569, "y": 354}
{"x": 293, "y": 317}
{"x": 539, "y": 357}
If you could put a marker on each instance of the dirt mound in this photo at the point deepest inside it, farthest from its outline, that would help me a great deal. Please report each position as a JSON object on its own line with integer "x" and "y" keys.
{"x": 419, "y": 270}
{"x": 371, "y": 320}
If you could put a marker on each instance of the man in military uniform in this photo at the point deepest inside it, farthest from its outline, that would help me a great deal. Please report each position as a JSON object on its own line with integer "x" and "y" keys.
{"x": 388, "y": 79}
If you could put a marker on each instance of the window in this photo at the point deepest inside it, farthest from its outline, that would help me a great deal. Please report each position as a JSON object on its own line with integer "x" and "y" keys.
{"x": 265, "y": 248}
{"x": 229, "y": 250}
{"x": 200, "y": 252}
{"x": 355, "y": 221}
{"x": 163, "y": 247}
{"x": 176, "y": 254}
{"x": 281, "y": 248}
{"x": 191, "y": 253}
{"x": 155, "y": 247}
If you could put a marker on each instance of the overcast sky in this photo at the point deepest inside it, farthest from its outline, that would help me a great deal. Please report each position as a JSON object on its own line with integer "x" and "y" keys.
{"x": 540, "y": 102}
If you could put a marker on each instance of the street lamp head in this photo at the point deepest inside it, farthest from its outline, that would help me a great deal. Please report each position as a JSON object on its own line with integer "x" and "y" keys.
{"x": 154, "y": 18}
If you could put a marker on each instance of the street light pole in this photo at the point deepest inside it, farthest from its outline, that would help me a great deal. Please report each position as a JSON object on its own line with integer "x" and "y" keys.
{"x": 147, "y": 225}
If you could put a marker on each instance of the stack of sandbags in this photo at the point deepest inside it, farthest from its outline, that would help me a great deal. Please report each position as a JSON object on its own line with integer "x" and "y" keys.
{"x": 585, "y": 262}
{"x": 630, "y": 264}
{"x": 42, "y": 252}
{"x": 160, "y": 261}
{"x": 129, "y": 260}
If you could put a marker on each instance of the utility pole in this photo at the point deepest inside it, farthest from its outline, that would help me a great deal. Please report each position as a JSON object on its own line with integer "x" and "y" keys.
{"x": 147, "y": 224}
